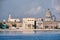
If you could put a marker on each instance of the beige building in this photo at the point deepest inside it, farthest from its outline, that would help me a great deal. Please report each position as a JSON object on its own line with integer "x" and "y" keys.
{"x": 48, "y": 16}
{"x": 28, "y": 23}
{"x": 58, "y": 24}
{"x": 49, "y": 24}
{"x": 10, "y": 19}
{"x": 32, "y": 23}
{"x": 39, "y": 23}
{"x": 13, "y": 22}
{"x": 19, "y": 25}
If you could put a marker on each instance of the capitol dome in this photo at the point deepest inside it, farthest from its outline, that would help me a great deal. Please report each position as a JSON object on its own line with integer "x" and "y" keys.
{"x": 48, "y": 13}
{"x": 48, "y": 16}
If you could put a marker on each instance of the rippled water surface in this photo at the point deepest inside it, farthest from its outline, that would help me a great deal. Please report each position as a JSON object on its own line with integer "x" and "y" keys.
{"x": 32, "y": 36}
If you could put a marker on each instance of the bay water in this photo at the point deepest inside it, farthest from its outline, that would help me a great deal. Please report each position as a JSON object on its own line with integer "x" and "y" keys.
{"x": 32, "y": 36}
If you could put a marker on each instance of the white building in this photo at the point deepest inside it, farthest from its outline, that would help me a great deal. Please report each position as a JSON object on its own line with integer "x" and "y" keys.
{"x": 39, "y": 23}
{"x": 48, "y": 16}
{"x": 58, "y": 24}
{"x": 28, "y": 23}
{"x": 4, "y": 20}
{"x": 13, "y": 20}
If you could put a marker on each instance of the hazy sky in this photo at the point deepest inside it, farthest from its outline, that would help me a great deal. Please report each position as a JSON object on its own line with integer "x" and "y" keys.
{"x": 28, "y": 8}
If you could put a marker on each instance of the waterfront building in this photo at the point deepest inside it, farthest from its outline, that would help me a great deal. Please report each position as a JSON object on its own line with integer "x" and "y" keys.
{"x": 10, "y": 19}
{"x": 13, "y": 22}
{"x": 48, "y": 16}
{"x": 19, "y": 24}
{"x": 50, "y": 24}
{"x": 50, "y": 21}
{"x": 39, "y": 23}
{"x": 9, "y": 25}
{"x": 28, "y": 23}
{"x": 58, "y": 24}
{"x": 4, "y": 20}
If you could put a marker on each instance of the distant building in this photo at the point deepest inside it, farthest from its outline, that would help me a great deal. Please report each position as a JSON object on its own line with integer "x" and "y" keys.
{"x": 13, "y": 20}
{"x": 4, "y": 20}
{"x": 48, "y": 16}
{"x": 58, "y": 24}
{"x": 28, "y": 23}
{"x": 49, "y": 24}
{"x": 9, "y": 25}
{"x": 18, "y": 24}
{"x": 39, "y": 23}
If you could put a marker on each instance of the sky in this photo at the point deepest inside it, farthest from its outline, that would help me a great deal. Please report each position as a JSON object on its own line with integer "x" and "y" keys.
{"x": 28, "y": 8}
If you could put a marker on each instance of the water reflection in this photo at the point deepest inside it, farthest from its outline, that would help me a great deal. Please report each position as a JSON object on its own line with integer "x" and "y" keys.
{"x": 21, "y": 33}
{"x": 35, "y": 36}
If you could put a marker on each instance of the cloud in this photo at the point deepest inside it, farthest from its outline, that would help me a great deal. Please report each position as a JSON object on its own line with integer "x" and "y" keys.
{"x": 57, "y": 8}
{"x": 34, "y": 10}
{"x": 56, "y": 5}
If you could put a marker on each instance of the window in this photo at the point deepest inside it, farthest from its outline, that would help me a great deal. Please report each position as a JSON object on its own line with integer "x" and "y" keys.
{"x": 46, "y": 26}
{"x": 29, "y": 25}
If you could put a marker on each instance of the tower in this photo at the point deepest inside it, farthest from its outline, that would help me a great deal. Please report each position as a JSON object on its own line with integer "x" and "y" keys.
{"x": 9, "y": 16}
{"x": 48, "y": 16}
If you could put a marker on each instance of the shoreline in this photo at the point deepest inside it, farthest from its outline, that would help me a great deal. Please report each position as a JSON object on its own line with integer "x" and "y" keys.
{"x": 30, "y": 31}
{"x": 19, "y": 30}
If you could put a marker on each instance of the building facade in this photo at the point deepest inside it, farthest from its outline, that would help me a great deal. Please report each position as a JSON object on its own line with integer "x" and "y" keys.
{"x": 28, "y": 23}
{"x": 50, "y": 24}
{"x": 58, "y": 24}
{"x": 39, "y": 23}
{"x": 48, "y": 16}
{"x": 35, "y": 23}
{"x": 10, "y": 19}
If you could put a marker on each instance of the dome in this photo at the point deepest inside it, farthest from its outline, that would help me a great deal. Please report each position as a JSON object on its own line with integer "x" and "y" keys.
{"x": 48, "y": 16}
{"x": 48, "y": 13}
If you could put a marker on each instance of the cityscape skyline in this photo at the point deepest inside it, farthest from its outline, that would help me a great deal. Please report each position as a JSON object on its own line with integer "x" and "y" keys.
{"x": 28, "y": 8}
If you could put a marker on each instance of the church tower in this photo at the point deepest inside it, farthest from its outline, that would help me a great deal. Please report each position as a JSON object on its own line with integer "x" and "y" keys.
{"x": 48, "y": 16}
{"x": 9, "y": 16}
